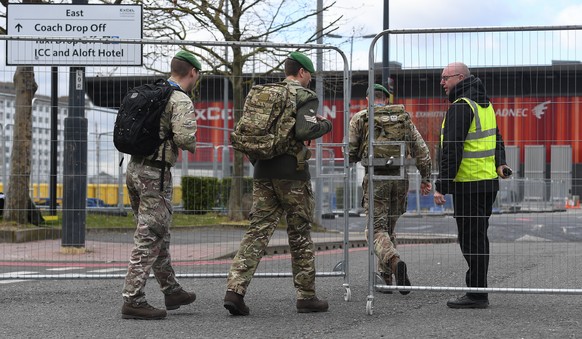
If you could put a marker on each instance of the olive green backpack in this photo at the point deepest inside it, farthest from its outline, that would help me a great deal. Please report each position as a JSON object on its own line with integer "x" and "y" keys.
{"x": 266, "y": 128}
{"x": 391, "y": 123}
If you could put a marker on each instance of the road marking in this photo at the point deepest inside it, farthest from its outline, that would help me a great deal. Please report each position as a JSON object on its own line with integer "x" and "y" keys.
{"x": 531, "y": 238}
{"x": 65, "y": 268}
{"x": 6, "y": 282}
{"x": 15, "y": 274}
{"x": 107, "y": 270}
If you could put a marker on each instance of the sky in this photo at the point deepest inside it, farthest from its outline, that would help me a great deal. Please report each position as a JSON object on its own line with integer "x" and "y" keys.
{"x": 363, "y": 17}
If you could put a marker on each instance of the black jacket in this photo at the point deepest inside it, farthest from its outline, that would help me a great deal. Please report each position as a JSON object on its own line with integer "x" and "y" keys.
{"x": 458, "y": 121}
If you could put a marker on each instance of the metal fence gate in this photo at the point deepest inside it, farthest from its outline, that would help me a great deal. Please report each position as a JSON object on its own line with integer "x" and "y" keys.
{"x": 204, "y": 249}
{"x": 532, "y": 76}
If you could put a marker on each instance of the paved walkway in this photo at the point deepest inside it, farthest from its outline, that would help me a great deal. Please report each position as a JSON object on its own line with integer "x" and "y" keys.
{"x": 104, "y": 251}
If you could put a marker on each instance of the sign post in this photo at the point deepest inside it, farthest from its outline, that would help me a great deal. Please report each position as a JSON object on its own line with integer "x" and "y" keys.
{"x": 77, "y": 20}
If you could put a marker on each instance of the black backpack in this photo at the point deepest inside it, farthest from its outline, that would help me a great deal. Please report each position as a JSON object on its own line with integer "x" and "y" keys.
{"x": 137, "y": 126}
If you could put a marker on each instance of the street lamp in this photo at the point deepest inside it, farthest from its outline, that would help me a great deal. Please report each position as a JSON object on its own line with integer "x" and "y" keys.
{"x": 351, "y": 38}
{"x": 98, "y": 159}
{"x": 354, "y": 197}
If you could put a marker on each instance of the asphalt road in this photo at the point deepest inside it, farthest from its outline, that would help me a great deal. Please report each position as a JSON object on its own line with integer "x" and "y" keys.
{"x": 555, "y": 226}
{"x": 534, "y": 251}
{"x": 91, "y": 308}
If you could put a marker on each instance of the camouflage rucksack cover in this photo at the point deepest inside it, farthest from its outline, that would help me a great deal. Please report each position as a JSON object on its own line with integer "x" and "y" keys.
{"x": 266, "y": 128}
{"x": 391, "y": 123}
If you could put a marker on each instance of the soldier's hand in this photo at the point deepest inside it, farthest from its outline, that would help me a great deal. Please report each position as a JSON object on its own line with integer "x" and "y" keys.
{"x": 439, "y": 199}
{"x": 425, "y": 187}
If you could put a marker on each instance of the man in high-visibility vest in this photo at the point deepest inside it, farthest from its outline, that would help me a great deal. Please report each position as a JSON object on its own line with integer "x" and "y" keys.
{"x": 472, "y": 157}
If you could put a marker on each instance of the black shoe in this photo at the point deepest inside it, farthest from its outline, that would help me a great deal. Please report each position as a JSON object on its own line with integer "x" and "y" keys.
{"x": 401, "y": 275}
{"x": 175, "y": 300}
{"x": 466, "y": 302}
{"x": 235, "y": 304}
{"x": 312, "y": 305}
{"x": 142, "y": 311}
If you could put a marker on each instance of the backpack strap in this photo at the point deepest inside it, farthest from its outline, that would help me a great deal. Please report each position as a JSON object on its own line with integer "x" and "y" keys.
{"x": 174, "y": 86}
{"x": 162, "y": 175}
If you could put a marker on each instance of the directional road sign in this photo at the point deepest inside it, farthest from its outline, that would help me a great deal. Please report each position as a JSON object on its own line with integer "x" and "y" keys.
{"x": 74, "y": 21}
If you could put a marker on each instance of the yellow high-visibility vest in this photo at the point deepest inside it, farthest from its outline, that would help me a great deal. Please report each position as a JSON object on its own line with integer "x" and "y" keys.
{"x": 478, "y": 161}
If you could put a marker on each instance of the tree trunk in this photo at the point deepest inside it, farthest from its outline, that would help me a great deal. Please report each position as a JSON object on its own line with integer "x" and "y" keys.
{"x": 19, "y": 206}
{"x": 235, "y": 210}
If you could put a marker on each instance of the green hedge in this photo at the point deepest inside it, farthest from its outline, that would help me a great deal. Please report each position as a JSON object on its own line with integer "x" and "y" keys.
{"x": 203, "y": 194}
{"x": 199, "y": 194}
{"x": 247, "y": 187}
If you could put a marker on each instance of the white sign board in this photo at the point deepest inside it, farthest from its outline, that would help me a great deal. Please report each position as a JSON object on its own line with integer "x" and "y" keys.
{"x": 74, "y": 21}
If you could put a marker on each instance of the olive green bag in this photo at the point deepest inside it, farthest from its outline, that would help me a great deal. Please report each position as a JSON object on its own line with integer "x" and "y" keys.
{"x": 266, "y": 128}
{"x": 391, "y": 123}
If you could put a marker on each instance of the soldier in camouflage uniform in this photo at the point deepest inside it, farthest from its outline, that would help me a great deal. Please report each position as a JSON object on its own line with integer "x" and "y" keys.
{"x": 390, "y": 196}
{"x": 152, "y": 208}
{"x": 282, "y": 185}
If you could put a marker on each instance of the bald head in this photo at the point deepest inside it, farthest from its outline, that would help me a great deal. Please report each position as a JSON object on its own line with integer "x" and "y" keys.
{"x": 454, "y": 73}
{"x": 458, "y": 67}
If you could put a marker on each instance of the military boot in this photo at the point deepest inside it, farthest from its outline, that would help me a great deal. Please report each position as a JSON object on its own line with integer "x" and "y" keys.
{"x": 311, "y": 305}
{"x": 142, "y": 311}
{"x": 235, "y": 303}
{"x": 387, "y": 276}
{"x": 400, "y": 272}
{"x": 180, "y": 298}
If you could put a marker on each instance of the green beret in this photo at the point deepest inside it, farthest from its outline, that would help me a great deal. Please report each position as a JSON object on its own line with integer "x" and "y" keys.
{"x": 189, "y": 58}
{"x": 378, "y": 87}
{"x": 303, "y": 60}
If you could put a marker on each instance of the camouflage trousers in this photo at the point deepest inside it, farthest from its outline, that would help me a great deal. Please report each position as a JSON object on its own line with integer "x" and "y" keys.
{"x": 152, "y": 210}
{"x": 271, "y": 198}
{"x": 390, "y": 200}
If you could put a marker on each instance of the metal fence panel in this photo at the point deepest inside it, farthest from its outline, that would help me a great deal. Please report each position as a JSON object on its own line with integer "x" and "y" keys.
{"x": 535, "y": 170}
{"x": 536, "y": 98}
{"x": 561, "y": 170}
{"x": 204, "y": 248}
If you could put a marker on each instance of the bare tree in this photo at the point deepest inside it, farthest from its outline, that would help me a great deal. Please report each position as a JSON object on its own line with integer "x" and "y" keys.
{"x": 19, "y": 207}
{"x": 3, "y": 15}
{"x": 17, "y": 198}
{"x": 234, "y": 20}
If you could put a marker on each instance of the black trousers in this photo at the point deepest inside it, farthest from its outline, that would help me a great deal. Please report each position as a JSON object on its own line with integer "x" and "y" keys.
{"x": 472, "y": 212}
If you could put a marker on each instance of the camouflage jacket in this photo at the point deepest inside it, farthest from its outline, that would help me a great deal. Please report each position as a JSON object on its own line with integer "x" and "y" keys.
{"x": 179, "y": 119}
{"x": 416, "y": 147}
{"x": 307, "y": 127}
